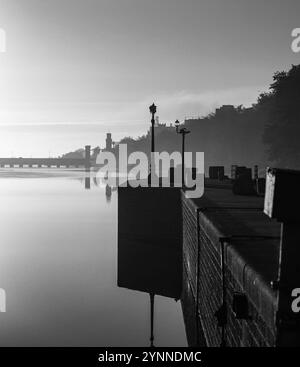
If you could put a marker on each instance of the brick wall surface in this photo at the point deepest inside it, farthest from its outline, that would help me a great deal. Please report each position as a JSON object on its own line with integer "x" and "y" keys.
{"x": 202, "y": 290}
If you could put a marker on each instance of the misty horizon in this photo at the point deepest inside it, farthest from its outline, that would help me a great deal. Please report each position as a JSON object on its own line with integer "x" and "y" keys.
{"x": 103, "y": 62}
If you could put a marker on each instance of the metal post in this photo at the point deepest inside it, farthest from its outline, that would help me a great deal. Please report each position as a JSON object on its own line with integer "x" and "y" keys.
{"x": 152, "y": 319}
{"x": 152, "y": 134}
{"x": 182, "y": 153}
{"x": 183, "y": 131}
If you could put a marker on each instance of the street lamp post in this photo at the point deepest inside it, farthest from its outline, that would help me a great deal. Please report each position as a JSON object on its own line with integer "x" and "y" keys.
{"x": 183, "y": 131}
{"x": 152, "y": 109}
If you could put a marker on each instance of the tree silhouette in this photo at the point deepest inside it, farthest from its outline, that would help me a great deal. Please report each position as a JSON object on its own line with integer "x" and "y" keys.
{"x": 282, "y": 131}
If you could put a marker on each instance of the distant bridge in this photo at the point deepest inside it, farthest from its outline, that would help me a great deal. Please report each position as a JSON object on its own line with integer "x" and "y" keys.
{"x": 86, "y": 162}
{"x": 45, "y": 162}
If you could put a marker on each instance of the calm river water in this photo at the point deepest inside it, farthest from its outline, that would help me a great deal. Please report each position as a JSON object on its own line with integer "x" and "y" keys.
{"x": 58, "y": 267}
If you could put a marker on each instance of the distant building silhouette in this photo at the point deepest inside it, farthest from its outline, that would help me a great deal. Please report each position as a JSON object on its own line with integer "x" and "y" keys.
{"x": 225, "y": 110}
{"x": 109, "y": 142}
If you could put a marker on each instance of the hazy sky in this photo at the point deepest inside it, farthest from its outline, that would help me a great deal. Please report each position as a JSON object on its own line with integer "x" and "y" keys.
{"x": 74, "y": 69}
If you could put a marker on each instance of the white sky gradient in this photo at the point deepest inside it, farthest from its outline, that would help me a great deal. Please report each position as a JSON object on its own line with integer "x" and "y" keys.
{"x": 76, "y": 69}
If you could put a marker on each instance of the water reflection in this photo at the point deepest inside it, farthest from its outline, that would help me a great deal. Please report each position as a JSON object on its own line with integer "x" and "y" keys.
{"x": 58, "y": 256}
{"x": 108, "y": 193}
{"x": 97, "y": 182}
{"x": 148, "y": 262}
{"x": 87, "y": 183}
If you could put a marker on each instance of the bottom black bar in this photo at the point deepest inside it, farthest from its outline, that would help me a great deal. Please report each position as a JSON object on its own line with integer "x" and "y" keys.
{"x": 140, "y": 356}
